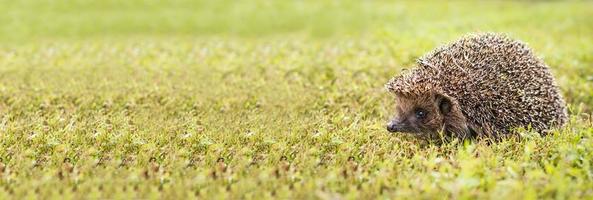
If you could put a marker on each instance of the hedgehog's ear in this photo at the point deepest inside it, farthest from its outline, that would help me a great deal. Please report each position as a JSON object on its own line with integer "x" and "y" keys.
{"x": 444, "y": 103}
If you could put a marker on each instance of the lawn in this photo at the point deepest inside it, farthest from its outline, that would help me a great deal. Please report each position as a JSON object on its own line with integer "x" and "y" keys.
{"x": 268, "y": 99}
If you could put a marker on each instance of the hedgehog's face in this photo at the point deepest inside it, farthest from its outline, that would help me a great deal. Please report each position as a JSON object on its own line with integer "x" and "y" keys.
{"x": 424, "y": 113}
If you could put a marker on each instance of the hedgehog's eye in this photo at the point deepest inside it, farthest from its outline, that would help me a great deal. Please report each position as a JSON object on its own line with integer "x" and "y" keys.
{"x": 420, "y": 113}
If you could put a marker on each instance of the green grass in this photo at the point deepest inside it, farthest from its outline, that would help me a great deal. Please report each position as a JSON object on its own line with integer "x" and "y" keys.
{"x": 289, "y": 93}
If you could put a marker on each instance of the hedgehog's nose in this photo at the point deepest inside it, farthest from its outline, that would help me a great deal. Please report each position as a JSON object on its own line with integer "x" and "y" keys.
{"x": 394, "y": 126}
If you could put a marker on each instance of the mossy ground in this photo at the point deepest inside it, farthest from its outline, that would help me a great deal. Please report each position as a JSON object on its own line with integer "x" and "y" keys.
{"x": 273, "y": 99}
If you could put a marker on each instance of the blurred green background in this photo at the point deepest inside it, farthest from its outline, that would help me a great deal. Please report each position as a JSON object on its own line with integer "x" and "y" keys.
{"x": 43, "y": 19}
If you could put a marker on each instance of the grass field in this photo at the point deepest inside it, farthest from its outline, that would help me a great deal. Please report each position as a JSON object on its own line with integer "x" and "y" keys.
{"x": 268, "y": 99}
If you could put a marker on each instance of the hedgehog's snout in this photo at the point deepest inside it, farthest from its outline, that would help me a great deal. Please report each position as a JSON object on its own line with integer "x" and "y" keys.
{"x": 395, "y": 126}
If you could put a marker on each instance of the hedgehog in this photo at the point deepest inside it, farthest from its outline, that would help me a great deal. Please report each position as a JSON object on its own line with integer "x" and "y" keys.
{"x": 484, "y": 84}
